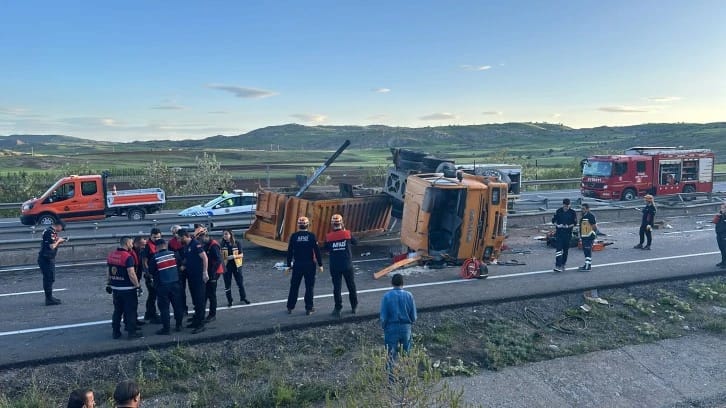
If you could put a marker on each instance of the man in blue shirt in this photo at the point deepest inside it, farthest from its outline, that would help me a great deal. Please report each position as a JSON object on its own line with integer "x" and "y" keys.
{"x": 398, "y": 313}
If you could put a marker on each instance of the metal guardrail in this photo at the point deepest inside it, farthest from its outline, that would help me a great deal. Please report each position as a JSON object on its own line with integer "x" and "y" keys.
{"x": 202, "y": 197}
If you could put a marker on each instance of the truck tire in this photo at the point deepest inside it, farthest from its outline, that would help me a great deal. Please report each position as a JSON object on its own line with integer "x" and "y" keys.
{"x": 430, "y": 163}
{"x": 448, "y": 168}
{"x": 46, "y": 219}
{"x": 689, "y": 188}
{"x": 136, "y": 214}
{"x": 482, "y": 171}
{"x": 628, "y": 194}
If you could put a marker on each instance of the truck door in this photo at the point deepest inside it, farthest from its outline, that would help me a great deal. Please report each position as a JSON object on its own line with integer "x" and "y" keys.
{"x": 91, "y": 201}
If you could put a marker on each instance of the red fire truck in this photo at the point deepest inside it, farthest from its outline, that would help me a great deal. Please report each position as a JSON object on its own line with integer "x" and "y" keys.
{"x": 647, "y": 170}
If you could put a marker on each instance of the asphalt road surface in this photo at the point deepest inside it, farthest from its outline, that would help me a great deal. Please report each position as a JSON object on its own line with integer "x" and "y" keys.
{"x": 31, "y": 331}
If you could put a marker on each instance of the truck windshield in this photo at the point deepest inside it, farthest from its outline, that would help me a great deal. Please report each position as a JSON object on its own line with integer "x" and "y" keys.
{"x": 597, "y": 168}
{"x": 52, "y": 188}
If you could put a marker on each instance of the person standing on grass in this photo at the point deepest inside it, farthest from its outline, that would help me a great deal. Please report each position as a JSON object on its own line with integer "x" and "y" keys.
{"x": 127, "y": 394}
{"x": 398, "y": 313}
{"x": 564, "y": 219}
{"x": 646, "y": 223}
{"x": 82, "y": 398}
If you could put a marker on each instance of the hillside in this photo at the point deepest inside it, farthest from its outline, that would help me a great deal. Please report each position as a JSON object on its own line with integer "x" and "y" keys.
{"x": 525, "y": 139}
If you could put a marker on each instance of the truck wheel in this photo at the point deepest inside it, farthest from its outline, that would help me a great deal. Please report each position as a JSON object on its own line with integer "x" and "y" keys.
{"x": 447, "y": 168}
{"x": 482, "y": 171}
{"x": 689, "y": 189}
{"x": 46, "y": 220}
{"x": 136, "y": 214}
{"x": 628, "y": 195}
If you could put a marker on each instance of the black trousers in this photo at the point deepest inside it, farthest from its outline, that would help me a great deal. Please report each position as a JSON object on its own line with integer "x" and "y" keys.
{"x": 297, "y": 276}
{"x": 169, "y": 293}
{"x": 124, "y": 304}
{"x": 197, "y": 292}
{"x": 644, "y": 233}
{"x": 563, "y": 236}
{"x": 234, "y": 271}
{"x": 721, "y": 240}
{"x": 150, "y": 299}
{"x": 47, "y": 267}
{"x": 211, "y": 294}
{"x": 183, "y": 280}
{"x": 338, "y": 275}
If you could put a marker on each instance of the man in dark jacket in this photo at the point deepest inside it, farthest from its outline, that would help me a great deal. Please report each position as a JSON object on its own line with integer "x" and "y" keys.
{"x": 720, "y": 221}
{"x": 646, "y": 223}
{"x": 564, "y": 219}
{"x": 303, "y": 250}
{"x": 195, "y": 264}
{"x": 338, "y": 243}
{"x": 168, "y": 288}
{"x": 46, "y": 259}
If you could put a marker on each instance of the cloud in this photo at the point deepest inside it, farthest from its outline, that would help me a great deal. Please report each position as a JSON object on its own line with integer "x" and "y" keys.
{"x": 382, "y": 90}
{"x": 170, "y": 106}
{"x": 493, "y": 113}
{"x": 438, "y": 116}
{"x": 242, "y": 92}
{"x": 307, "y": 117}
{"x": 664, "y": 98}
{"x": 624, "y": 109}
{"x": 476, "y": 67}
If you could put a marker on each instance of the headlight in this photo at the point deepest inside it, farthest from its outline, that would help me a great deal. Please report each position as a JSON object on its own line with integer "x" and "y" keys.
{"x": 27, "y": 207}
{"x": 605, "y": 187}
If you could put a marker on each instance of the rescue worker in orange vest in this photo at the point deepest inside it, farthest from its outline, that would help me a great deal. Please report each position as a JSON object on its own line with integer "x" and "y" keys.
{"x": 125, "y": 287}
{"x": 215, "y": 269}
{"x": 302, "y": 255}
{"x": 338, "y": 244}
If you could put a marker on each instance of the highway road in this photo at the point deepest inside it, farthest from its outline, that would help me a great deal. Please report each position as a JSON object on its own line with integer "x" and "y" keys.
{"x": 32, "y": 332}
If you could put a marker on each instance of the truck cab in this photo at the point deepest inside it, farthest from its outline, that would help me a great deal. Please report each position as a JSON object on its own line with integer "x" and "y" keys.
{"x": 70, "y": 198}
{"x": 454, "y": 218}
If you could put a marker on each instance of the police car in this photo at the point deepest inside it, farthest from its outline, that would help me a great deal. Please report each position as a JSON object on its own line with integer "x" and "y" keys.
{"x": 236, "y": 202}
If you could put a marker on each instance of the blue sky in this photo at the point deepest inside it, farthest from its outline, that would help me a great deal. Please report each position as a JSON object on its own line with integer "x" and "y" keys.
{"x": 141, "y": 70}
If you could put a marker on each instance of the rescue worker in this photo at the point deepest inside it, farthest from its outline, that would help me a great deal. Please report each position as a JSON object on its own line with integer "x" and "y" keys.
{"x": 338, "y": 244}
{"x": 195, "y": 263}
{"x": 564, "y": 219}
{"x": 588, "y": 233}
{"x": 215, "y": 269}
{"x": 232, "y": 254}
{"x": 168, "y": 288}
{"x": 125, "y": 287}
{"x": 148, "y": 254}
{"x": 302, "y": 255}
{"x": 720, "y": 221}
{"x": 646, "y": 223}
{"x": 46, "y": 259}
{"x": 175, "y": 245}
{"x": 137, "y": 252}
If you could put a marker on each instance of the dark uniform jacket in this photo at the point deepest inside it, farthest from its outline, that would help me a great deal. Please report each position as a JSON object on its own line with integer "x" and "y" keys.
{"x": 50, "y": 236}
{"x": 648, "y": 215}
{"x": 720, "y": 221}
{"x": 565, "y": 219}
{"x": 303, "y": 248}
{"x": 165, "y": 266}
{"x": 338, "y": 243}
{"x": 215, "y": 264}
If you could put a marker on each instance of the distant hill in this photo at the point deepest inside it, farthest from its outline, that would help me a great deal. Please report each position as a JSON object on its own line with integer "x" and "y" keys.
{"x": 517, "y": 138}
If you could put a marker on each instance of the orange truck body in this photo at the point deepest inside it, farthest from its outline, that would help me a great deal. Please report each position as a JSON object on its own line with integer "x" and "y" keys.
{"x": 277, "y": 213}
{"x": 80, "y": 198}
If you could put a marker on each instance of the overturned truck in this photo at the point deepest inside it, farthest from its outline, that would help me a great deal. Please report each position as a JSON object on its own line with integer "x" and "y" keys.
{"x": 446, "y": 217}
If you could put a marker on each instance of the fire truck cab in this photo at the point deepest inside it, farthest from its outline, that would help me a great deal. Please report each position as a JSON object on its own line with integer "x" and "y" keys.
{"x": 647, "y": 170}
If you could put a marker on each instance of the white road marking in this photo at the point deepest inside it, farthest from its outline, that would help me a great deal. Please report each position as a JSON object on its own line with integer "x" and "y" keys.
{"x": 683, "y": 232}
{"x": 417, "y": 285}
{"x": 33, "y": 292}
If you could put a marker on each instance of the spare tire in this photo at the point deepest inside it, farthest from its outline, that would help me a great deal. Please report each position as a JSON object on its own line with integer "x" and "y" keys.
{"x": 448, "y": 168}
{"x": 489, "y": 172}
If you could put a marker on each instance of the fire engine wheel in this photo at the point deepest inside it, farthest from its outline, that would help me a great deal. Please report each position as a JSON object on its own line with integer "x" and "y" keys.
{"x": 136, "y": 214}
{"x": 628, "y": 195}
{"x": 474, "y": 269}
{"x": 689, "y": 189}
{"x": 46, "y": 220}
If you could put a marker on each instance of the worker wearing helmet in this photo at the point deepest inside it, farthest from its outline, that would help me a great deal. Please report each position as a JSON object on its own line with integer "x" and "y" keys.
{"x": 646, "y": 223}
{"x": 302, "y": 255}
{"x": 338, "y": 243}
